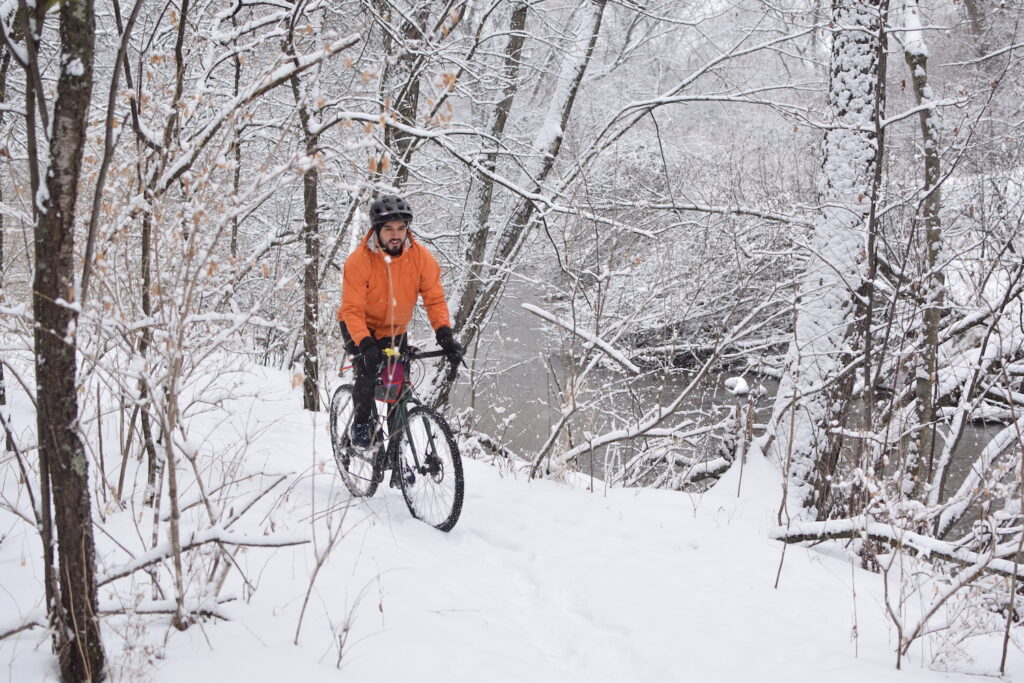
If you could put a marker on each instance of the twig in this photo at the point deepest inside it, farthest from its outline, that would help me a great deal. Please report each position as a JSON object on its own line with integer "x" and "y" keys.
{"x": 21, "y": 465}
{"x": 26, "y": 624}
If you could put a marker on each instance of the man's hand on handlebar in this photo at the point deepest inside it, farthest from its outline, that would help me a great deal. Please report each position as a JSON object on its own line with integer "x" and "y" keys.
{"x": 452, "y": 349}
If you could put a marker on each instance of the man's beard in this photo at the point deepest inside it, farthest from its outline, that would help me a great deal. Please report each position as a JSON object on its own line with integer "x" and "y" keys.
{"x": 397, "y": 251}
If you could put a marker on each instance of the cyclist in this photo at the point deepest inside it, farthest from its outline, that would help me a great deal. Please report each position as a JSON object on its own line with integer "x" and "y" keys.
{"x": 382, "y": 279}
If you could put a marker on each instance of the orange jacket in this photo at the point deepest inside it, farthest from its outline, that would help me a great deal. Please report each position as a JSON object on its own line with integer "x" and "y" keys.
{"x": 372, "y": 279}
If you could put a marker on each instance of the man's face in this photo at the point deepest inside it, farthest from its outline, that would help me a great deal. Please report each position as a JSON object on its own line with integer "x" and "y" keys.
{"x": 392, "y": 236}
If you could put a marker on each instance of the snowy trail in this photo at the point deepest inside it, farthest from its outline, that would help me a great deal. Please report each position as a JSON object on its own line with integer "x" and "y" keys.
{"x": 542, "y": 583}
{"x": 539, "y": 581}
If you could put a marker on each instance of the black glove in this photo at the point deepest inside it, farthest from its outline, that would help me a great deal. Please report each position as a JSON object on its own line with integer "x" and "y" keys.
{"x": 371, "y": 355}
{"x": 451, "y": 348}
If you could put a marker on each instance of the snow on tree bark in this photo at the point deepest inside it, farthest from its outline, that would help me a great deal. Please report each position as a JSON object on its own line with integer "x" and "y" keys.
{"x": 915, "y": 53}
{"x": 818, "y": 375}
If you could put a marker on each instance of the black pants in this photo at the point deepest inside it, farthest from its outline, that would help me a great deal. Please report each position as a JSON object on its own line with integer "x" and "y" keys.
{"x": 365, "y": 381}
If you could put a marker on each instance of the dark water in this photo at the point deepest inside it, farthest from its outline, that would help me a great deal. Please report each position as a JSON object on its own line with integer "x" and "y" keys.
{"x": 525, "y": 387}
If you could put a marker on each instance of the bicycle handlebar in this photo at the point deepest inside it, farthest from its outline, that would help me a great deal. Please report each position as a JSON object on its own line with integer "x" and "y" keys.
{"x": 414, "y": 354}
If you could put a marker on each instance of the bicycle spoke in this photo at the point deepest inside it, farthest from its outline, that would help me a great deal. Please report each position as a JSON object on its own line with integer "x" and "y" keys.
{"x": 358, "y": 468}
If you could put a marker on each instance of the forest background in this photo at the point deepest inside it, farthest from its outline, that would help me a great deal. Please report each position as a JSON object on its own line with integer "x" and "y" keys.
{"x": 825, "y": 196}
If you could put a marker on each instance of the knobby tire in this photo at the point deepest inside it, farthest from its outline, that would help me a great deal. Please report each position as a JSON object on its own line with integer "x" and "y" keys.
{"x": 432, "y": 482}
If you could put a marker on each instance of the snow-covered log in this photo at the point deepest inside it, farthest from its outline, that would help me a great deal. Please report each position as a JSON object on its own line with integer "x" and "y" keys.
{"x": 896, "y": 537}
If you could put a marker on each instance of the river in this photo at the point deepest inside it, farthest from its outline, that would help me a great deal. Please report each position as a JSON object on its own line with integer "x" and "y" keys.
{"x": 520, "y": 371}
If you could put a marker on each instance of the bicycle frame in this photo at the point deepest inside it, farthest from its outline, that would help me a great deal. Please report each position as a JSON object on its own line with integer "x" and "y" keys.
{"x": 397, "y": 417}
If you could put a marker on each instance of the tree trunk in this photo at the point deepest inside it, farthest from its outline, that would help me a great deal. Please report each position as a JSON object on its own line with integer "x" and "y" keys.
{"x": 815, "y": 391}
{"x": 933, "y": 279}
{"x": 311, "y": 238}
{"x": 977, "y": 24}
{"x": 474, "y": 311}
{"x": 236, "y": 150}
{"x": 400, "y": 85}
{"x": 78, "y": 641}
{"x": 310, "y": 287}
{"x": 484, "y": 190}
{"x": 145, "y": 405}
{"x": 5, "y": 63}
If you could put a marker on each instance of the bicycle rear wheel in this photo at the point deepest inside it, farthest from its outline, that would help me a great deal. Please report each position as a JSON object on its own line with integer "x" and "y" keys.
{"x": 357, "y": 467}
{"x": 428, "y": 457}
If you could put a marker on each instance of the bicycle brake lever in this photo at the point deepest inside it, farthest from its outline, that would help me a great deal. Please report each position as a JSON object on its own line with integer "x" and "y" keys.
{"x": 453, "y": 371}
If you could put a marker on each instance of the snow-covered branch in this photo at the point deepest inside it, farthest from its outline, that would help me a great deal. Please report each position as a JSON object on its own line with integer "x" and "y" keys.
{"x": 194, "y": 540}
{"x": 897, "y": 537}
{"x": 591, "y": 339}
{"x": 282, "y": 74}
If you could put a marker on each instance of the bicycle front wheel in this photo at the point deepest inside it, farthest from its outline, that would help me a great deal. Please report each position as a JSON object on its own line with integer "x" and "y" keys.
{"x": 357, "y": 467}
{"x": 431, "y": 469}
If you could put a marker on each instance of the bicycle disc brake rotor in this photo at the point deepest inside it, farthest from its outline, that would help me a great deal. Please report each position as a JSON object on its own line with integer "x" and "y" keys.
{"x": 434, "y": 467}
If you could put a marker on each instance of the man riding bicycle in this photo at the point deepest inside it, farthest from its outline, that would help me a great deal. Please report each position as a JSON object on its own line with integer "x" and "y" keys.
{"x": 382, "y": 279}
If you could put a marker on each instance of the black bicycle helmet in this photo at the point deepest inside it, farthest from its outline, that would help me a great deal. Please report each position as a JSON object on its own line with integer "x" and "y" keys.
{"x": 389, "y": 207}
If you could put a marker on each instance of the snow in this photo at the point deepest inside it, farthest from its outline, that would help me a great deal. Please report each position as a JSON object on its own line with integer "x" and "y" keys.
{"x": 737, "y": 386}
{"x": 539, "y": 581}
{"x": 42, "y": 198}
{"x": 75, "y": 67}
{"x": 914, "y": 35}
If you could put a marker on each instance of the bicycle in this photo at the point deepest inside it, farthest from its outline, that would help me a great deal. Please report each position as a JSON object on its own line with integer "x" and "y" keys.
{"x": 411, "y": 439}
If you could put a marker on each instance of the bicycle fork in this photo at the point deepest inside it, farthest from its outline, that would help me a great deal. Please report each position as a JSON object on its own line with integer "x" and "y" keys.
{"x": 431, "y": 464}
{"x": 399, "y": 420}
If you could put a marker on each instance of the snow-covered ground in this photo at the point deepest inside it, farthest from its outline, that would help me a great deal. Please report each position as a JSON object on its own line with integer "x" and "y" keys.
{"x": 539, "y": 581}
